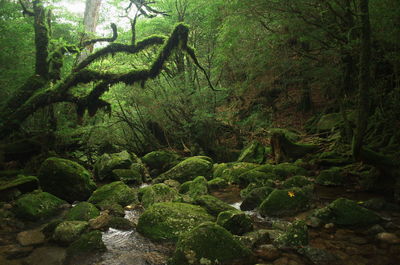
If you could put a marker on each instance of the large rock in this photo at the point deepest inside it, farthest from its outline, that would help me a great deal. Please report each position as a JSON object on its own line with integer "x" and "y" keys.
{"x": 331, "y": 177}
{"x": 212, "y": 204}
{"x": 209, "y": 243}
{"x": 129, "y": 176}
{"x": 83, "y": 211}
{"x": 158, "y": 193}
{"x": 217, "y": 184}
{"x": 89, "y": 243}
{"x": 168, "y": 220}
{"x": 21, "y": 183}
{"x": 30, "y": 237}
{"x": 255, "y": 197}
{"x": 231, "y": 171}
{"x": 296, "y": 181}
{"x": 346, "y": 212}
{"x": 69, "y": 231}
{"x": 236, "y": 222}
{"x": 108, "y": 162}
{"x": 188, "y": 169}
{"x": 37, "y": 206}
{"x": 161, "y": 160}
{"x": 66, "y": 179}
{"x": 114, "y": 193}
{"x": 295, "y": 235}
{"x": 195, "y": 188}
{"x": 253, "y": 153}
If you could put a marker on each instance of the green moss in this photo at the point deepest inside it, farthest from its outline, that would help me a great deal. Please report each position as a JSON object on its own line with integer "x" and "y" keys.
{"x": 331, "y": 177}
{"x": 158, "y": 193}
{"x": 120, "y": 223}
{"x": 285, "y": 202}
{"x": 296, "y": 181}
{"x": 83, "y": 211}
{"x": 108, "y": 162}
{"x": 212, "y": 204}
{"x": 66, "y": 179}
{"x": 285, "y": 170}
{"x": 128, "y": 176}
{"x": 115, "y": 192}
{"x": 296, "y": 235}
{"x": 217, "y": 184}
{"x": 218, "y": 169}
{"x": 253, "y": 153}
{"x": 346, "y": 212}
{"x": 21, "y": 182}
{"x": 88, "y": 243}
{"x": 253, "y": 176}
{"x": 168, "y": 220}
{"x": 69, "y": 231}
{"x": 194, "y": 188}
{"x": 236, "y": 222}
{"x": 255, "y": 197}
{"x": 161, "y": 160}
{"x": 37, "y": 206}
{"x": 234, "y": 170}
{"x": 209, "y": 243}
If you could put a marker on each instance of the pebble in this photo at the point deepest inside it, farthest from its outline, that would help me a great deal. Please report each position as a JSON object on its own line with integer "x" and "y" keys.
{"x": 389, "y": 238}
{"x": 329, "y": 226}
{"x": 30, "y": 238}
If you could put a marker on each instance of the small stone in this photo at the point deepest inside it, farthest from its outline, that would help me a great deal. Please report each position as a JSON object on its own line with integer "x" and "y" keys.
{"x": 375, "y": 229}
{"x": 389, "y": 238}
{"x": 268, "y": 252}
{"x": 7, "y": 206}
{"x": 329, "y": 226}
{"x": 30, "y": 237}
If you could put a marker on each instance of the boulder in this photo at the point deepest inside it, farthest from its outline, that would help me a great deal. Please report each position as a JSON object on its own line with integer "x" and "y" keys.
{"x": 69, "y": 231}
{"x": 253, "y": 153}
{"x": 331, "y": 177}
{"x": 161, "y": 160}
{"x": 285, "y": 170}
{"x": 217, "y": 184}
{"x": 255, "y": 197}
{"x": 212, "y": 204}
{"x": 158, "y": 193}
{"x": 83, "y": 211}
{"x": 296, "y": 181}
{"x": 108, "y": 162}
{"x": 89, "y": 243}
{"x": 168, "y": 220}
{"x": 210, "y": 243}
{"x": 128, "y": 176}
{"x": 253, "y": 176}
{"x": 21, "y": 183}
{"x": 236, "y": 222}
{"x": 66, "y": 179}
{"x": 114, "y": 193}
{"x": 295, "y": 235}
{"x": 30, "y": 237}
{"x": 231, "y": 171}
{"x": 37, "y": 206}
{"x": 194, "y": 188}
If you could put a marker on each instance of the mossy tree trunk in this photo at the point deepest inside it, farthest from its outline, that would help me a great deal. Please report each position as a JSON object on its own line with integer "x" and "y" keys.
{"x": 284, "y": 150}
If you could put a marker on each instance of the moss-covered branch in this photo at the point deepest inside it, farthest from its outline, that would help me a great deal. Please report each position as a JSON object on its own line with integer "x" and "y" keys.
{"x": 111, "y": 39}
{"x": 41, "y": 39}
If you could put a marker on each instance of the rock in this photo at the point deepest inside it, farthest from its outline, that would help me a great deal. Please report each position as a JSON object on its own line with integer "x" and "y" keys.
{"x": 158, "y": 193}
{"x": 208, "y": 243}
{"x": 296, "y": 181}
{"x": 69, "y": 231}
{"x": 285, "y": 170}
{"x": 346, "y": 212}
{"x": 268, "y": 252}
{"x": 231, "y": 171}
{"x": 37, "y": 206}
{"x": 253, "y": 176}
{"x": 187, "y": 170}
{"x": 212, "y": 204}
{"x": 172, "y": 184}
{"x": 318, "y": 256}
{"x": 331, "y": 177}
{"x": 236, "y": 222}
{"x": 329, "y": 226}
{"x": 168, "y": 220}
{"x": 296, "y": 235}
{"x": 108, "y": 162}
{"x": 375, "y": 229}
{"x": 114, "y": 193}
{"x": 329, "y": 122}
{"x": 255, "y": 238}
{"x": 194, "y": 188}
{"x": 255, "y": 198}
{"x": 100, "y": 222}
{"x": 217, "y": 184}
{"x": 376, "y": 204}
{"x": 83, "y": 211}
{"x": 389, "y": 238}
{"x": 30, "y": 237}
{"x": 313, "y": 221}
{"x": 120, "y": 223}
{"x": 66, "y": 179}
{"x": 21, "y": 183}
{"x": 161, "y": 160}
{"x": 47, "y": 256}
{"x": 89, "y": 243}
{"x": 15, "y": 251}
{"x": 128, "y": 176}
{"x": 285, "y": 202}
{"x": 253, "y": 153}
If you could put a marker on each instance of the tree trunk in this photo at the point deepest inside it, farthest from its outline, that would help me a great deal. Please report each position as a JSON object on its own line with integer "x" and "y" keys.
{"x": 284, "y": 150}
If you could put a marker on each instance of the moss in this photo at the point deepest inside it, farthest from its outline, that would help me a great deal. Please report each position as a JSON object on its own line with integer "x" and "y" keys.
{"x": 212, "y": 204}
{"x": 21, "y": 182}
{"x": 330, "y": 121}
{"x": 253, "y": 153}
{"x": 168, "y": 220}
{"x": 37, "y": 206}
{"x": 161, "y": 160}
{"x": 88, "y": 243}
{"x": 285, "y": 202}
{"x": 236, "y": 222}
{"x": 346, "y": 212}
{"x": 285, "y": 170}
{"x": 120, "y": 223}
{"x": 217, "y": 184}
{"x": 83, "y": 211}
{"x": 296, "y": 181}
{"x": 188, "y": 170}
{"x": 128, "y": 176}
{"x": 218, "y": 169}
{"x": 296, "y": 235}
{"x": 66, "y": 179}
{"x": 69, "y": 231}
{"x": 255, "y": 197}
{"x": 115, "y": 192}
{"x": 209, "y": 243}
{"x": 233, "y": 170}
{"x": 331, "y": 177}
{"x": 194, "y": 188}
{"x": 254, "y": 176}
{"x": 108, "y": 162}
{"x": 158, "y": 193}
{"x": 285, "y": 150}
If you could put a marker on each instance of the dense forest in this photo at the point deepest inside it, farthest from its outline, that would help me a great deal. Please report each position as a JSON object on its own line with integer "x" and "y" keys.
{"x": 179, "y": 132}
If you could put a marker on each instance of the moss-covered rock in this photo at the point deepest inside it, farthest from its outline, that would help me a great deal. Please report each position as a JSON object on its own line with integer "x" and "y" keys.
{"x": 296, "y": 181}
{"x": 253, "y": 153}
{"x": 296, "y": 235}
{"x": 331, "y": 177}
{"x": 231, "y": 171}
{"x": 88, "y": 243}
{"x": 108, "y": 162}
{"x": 209, "y": 243}
{"x": 236, "y": 222}
{"x": 187, "y": 170}
{"x": 285, "y": 202}
{"x": 22, "y": 183}
{"x": 37, "y": 206}
{"x": 158, "y": 193}
{"x": 120, "y": 223}
{"x": 346, "y": 212}
{"x": 66, "y": 179}
{"x": 218, "y": 169}
{"x": 83, "y": 211}
{"x": 128, "y": 176}
{"x": 285, "y": 170}
{"x": 254, "y": 176}
{"x": 114, "y": 193}
{"x": 255, "y": 197}
{"x": 69, "y": 231}
{"x": 168, "y": 220}
{"x": 329, "y": 121}
{"x": 194, "y": 188}
{"x": 161, "y": 160}
{"x": 217, "y": 184}
{"x": 212, "y": 204}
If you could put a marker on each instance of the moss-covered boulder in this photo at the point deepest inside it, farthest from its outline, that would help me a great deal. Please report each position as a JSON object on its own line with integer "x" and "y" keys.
{"x": 285, "y": 170}
{"x": 346, "y": 212}
{"x": 66, "y": 179}
{"x": 120, "y": 223}
{"x": 236, "y": 222}
{"x": 88, "y": 243}
{"x": 329, "y": 121}
{"x": 108, "y": 162}
{"x": 161, "y": 160}
{"x": 168, "y": 220}
{"x": 158, "y": 193}
{"x": 294, "y": 236}
{"x": 255, "y": 197}
{"x": 217, "y": 184}
{"x": 69, "y": 231}
{"x": 254, "y": 176}
{"x": 331, "y": 177}
{"x": 128, "y": 176}
{"x": 285, "y": 202}
{"x": 22, "y": 183}
{"x": 83, "y": 211}
{"x": 37, "y": 206}
{"x": 187, "y": 170}
{"x": 231, "y": 171}
{"x": 212, "y": 204}
{"x": 211, "y": 244}
{"x": 253, "y": 153}
{"x": 114, "y": 193}
{"x": 195, "y": 188}
{"x": 218, "y": 169}
{"x": 296, "y": 181}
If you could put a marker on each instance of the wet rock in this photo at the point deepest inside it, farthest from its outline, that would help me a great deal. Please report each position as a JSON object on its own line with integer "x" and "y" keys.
{"x": 388, "y": 238}
{"x": 253, "y": 153}
{"x": 120, "y": 223}
{"x": 30, "y": 237}
{"x": 254, "y": 198}
{"x": 158, "y": 193}
{"x": 236, "y": 222}
{"x": 89, "y": 243}
{"x": 318, "y": 256}
{"x": 212, "y": 204}
{"x": 69, "y": 231}
{"x": 66, "y": 179}
{"x": 194, "y": 188}
{"x": 268, "y": 252}
{"x": 217, "y": 184}
{"x": 331, "y": 177}
{"x": 114, "y": 193}
{"x": 295, "y": 235}
{"x": 101, "y": 221}
{"x": 208, "y": 243}
{"x": 83, "y": 211}
{"x": 47, "y": 256}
